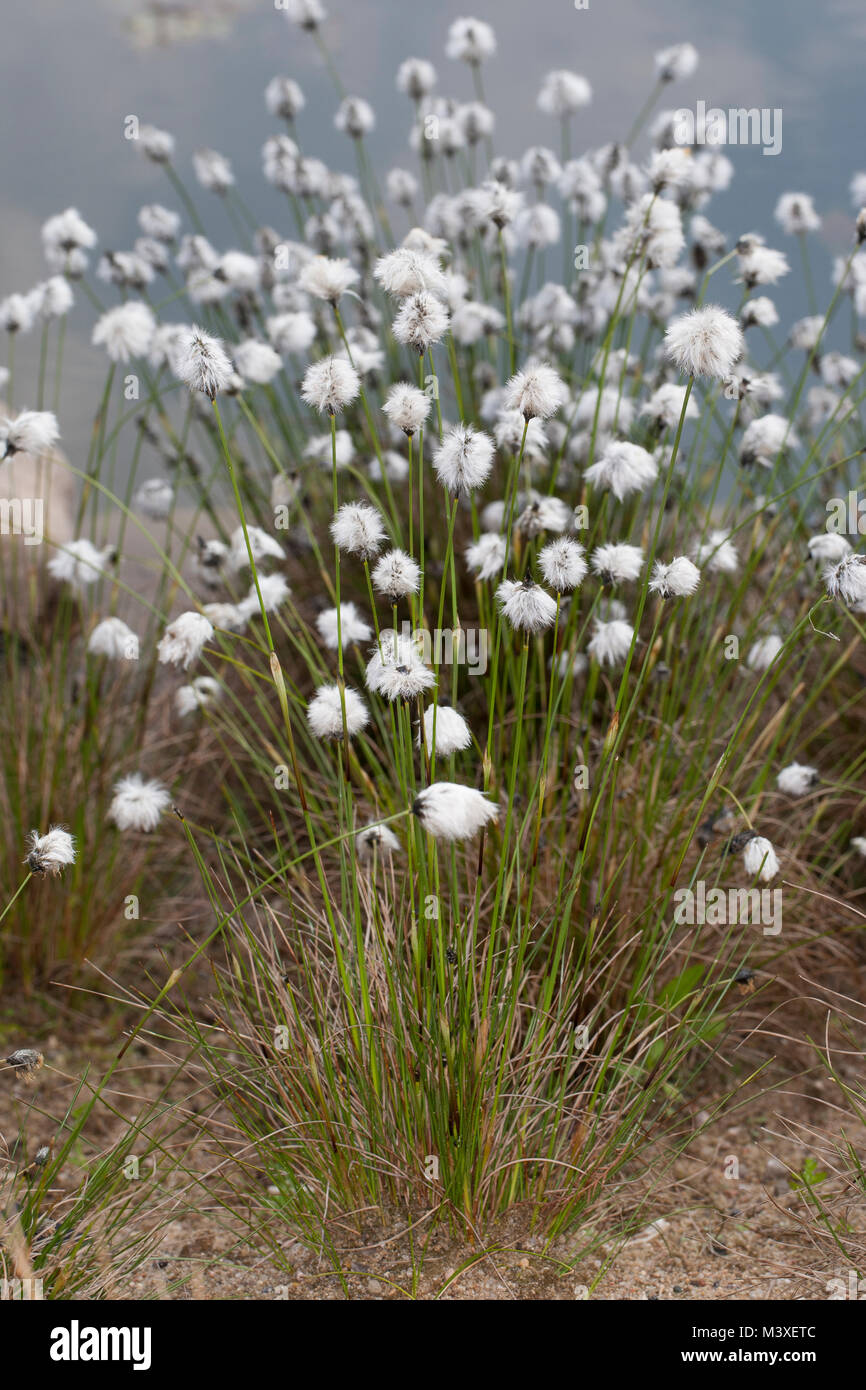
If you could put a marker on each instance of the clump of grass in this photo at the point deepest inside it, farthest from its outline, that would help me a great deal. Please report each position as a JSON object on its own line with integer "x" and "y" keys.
{"x": 79, "y": 1213}
{"x": 497, "y": 1006}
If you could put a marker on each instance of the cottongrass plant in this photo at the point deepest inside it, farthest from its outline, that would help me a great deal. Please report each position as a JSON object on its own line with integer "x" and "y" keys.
{"x": 441, "y": 912}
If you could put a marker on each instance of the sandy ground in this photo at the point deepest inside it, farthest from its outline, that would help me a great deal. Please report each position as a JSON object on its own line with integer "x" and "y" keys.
{"x": 724, "y": 1224}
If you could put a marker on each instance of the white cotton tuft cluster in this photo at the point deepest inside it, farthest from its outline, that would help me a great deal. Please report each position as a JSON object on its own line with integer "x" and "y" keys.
{"x": 448, "y": 811}
{"x": 137, "y": 803}
{"x": 358, "y": 529}
{"x": 184, "y": 640}
{"x": 397, "y": 575}
{"x": 611, "y": 641}
{"x": 537, "y": 392}
{"x": 617, "y": 563}
{"x": 675, "y": 580}
{"x": 563, "y": 565}
{"x": 526, "y": 606}
{"x": 847, "y": 580}
{"x": 325, "y": 712}
{"x": 112, "y": 638}
{"x": 796, "y": 779}
{"x": 407, "y": 407}
{"x": 201, "y": 363}
{"x": 445, "y": 731}
{"x": 704, "y": 342}
{"x": 396, "y": 670}
{"x": 623, "y": 469}
{"x": 80, "y": 564}
{"x": 350, "y": 627}
{"x": 330, "y": 385}
{"x": 464, "y": 459}
{"x": 759, "y": 859}
{"x": 486, "y": 557}
{"x": 50, "y": 853}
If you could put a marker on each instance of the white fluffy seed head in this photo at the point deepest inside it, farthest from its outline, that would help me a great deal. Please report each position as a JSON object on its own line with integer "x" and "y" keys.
{"x": 795, "y": 213}
{"x": 376, "y": 839}
{"x": 79, "y": 564}
{"x": 404, "y": 272}
{"x": 395, "y": 657}
{"x": 563, "y": 565}
{"x": 226, "y": 616}
{"x": 355, "y": 117}
{"x": 765, "y": 438}
{"x": 291, "y": 332}
{"x": 464, "y": 459}
{"x": 762, "y": 265}
{"x": 471, "y": 40}
{"x": 677, "y": 62}
{"x": 200, "y": 693}
{"x": 138, "y": 804}
{"x": 184, "y": 640}
{"x": 544, "y": 513}
{"x": 416, "y": 77}
{"x": 396, "y": 575}
{"x": 271, "y": 594}
{"x": 610, "y": 642}
{"x": 213, "y": 170}
{"x": 796, "y": 779}
{"x": 358, "y": 530}
{"x": 562, "y": 93}
{"x": 49, "y": 853}
{"x": 445, "y": 731}
{"x": 307, "y": 14}
{"x": 407, "y": 407}
{"x": 759, "y": 859}
{"x": 32, "y": 432}
{"x": 527, "y": 606}
{"x": 847, "y": 580}
{"x": 257, "y": 362}
{"x": 537, "y": 392}
{"x": 327, "y": 279}
{"x": 157, "y": 144}
{"x": 325, "y": 712}
{"x": 421, "y": 321}
{"x": 201, "y": 363}
{"x": 617, "y": 563}
{"x": 763, "y": 653}
{"x": 330, "y": 385}
{"x": 112, "y": 638}
{"x": 154, "y": 498}
{"x": 718, "y": 553}
{"x": 623, "y": 468}
{"x": 704, "y": 342}
{"x": 260, "y": 543}
{"x": 665, "y": 405}
{"x": 829, "y": 547}
{"x": 486, "y": 556}
{"x": 448, "y": 811}
{"x": 284, "y": 98}
{"x": 675, "y": 580}
{"x": 351, "y": 627}
{"x": 125, "y": 332}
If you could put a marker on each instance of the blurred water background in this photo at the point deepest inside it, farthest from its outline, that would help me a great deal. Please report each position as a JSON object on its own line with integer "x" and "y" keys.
{"x": 71, "y": 73}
